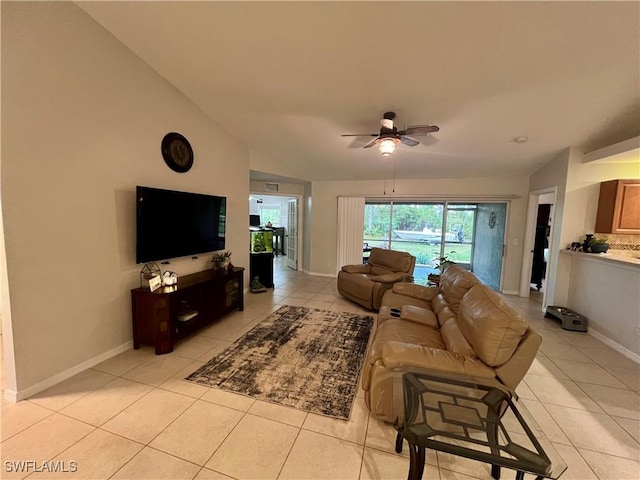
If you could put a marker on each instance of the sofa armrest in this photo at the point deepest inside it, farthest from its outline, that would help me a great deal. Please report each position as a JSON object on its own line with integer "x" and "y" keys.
{"x": 408, "y": 356}
{"x": 390, "y": 277}
{"x": 416, "y": 291}
{"x": 513, "y": 371}
{"x": 419, "y": 315}
{"x": 364, "y": 268}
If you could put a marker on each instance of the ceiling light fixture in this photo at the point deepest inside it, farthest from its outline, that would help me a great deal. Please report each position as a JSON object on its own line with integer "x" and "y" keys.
{"x": 387, "y": 146}
{"x": 521, "y": 139}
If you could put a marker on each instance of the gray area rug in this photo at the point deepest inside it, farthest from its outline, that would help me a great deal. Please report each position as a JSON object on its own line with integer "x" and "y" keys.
{"x": 304, "y": 358}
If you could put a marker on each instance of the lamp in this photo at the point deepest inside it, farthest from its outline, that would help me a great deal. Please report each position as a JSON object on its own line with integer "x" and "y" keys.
{"x": 387, "y": 146}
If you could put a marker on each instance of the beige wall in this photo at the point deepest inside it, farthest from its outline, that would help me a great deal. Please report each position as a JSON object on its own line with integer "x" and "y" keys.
{"x": 284, "y": 188}
{"x": 578, "y": 190}
{"x": 323, "y": 241}
{"x": 583, "y": 192}
{"x": 583, "y": 188}
{"x": 82, "y": 122}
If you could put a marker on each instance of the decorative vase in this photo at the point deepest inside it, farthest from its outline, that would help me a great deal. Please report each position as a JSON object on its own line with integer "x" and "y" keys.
{"x": 220, "y": 264}
{"x": 599, "y": 247}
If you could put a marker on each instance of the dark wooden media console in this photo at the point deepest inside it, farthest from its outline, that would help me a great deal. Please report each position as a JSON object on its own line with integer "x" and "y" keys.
{"x": 169, "y": 313}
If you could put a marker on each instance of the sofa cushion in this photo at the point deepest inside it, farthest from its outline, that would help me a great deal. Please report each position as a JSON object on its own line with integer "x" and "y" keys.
{"x": 389, "y": 277}
{"x": 403, "y": 355}
{"x": 491, "y": 327}
{"x": 439, "y": 302}
{"x": 378, "y": 270}
{"x": 455, "y": 282}
{"x": 446, "y": 315}
{"x": 391, "y": 260}
{"x": 397, "y": 330}
{"x": 416, "y": 291}
{"x": 454, "y": 340}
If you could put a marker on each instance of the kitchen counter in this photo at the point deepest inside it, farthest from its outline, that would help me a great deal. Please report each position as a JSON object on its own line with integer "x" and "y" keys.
{"x": 604, "y": 287}
{"x": 615, "y": 257}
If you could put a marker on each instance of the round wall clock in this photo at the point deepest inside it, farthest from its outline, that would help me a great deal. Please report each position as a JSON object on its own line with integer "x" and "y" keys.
{"x": 177, "y": 152}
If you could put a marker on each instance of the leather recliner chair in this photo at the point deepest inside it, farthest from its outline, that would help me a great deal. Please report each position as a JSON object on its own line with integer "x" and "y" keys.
{"x": 366, "y": 284}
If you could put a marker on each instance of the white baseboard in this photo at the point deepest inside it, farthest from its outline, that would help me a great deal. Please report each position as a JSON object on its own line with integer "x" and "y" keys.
{"x": 11, "y": 396}
{"x": 14, "y": 396}
{"x": 510, "y": 292}
{"x": 616, "y": 346}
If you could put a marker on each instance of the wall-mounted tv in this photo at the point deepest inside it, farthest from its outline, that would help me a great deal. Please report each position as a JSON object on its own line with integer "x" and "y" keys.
{"x": 171, "y": 224}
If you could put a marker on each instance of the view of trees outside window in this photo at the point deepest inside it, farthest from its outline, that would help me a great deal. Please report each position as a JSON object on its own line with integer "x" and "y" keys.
{"x": 426, "y": 230}
{"x": 270, "y": 214}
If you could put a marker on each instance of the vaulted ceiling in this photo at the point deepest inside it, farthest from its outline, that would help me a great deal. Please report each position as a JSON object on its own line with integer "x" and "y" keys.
{"x": 288, "y": 78}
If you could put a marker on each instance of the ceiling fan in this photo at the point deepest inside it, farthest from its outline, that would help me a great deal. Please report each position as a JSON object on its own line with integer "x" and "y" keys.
{"x": 390, "y": 136}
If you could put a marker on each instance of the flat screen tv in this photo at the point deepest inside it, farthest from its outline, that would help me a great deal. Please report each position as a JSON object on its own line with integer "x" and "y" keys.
{"x": 171, "y": 224}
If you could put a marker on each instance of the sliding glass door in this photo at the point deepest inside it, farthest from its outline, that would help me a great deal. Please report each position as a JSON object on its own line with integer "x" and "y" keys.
{"x": 489, "y": 239}
{"x": 431, "y": 230}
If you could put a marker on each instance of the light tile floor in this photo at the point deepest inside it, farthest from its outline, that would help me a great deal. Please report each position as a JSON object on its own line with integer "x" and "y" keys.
{"x": 134, "y": 416}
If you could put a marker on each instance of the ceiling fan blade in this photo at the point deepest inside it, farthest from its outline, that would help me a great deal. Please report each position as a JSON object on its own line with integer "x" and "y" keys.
{"x": 359, "y": 135}
{"x": 409, "y": 141}
{"x": 420, "y": 130}
{"x": 371, "y": 143}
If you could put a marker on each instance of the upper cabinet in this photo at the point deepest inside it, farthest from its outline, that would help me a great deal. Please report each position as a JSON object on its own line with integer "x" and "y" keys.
{"x": 619, "y": 207}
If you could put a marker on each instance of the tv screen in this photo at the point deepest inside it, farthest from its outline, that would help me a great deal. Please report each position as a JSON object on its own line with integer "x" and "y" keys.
{"x": 172, "y": 224}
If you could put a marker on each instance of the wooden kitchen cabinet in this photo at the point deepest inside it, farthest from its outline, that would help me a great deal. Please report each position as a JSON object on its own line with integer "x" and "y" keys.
{"x": 619, "y": 207}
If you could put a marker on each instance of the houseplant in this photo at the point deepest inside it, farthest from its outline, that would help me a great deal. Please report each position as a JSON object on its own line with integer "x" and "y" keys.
{"x": 221, "y": 259}
{"x": 598, "y": 245}
{"x": 441, "y": 263}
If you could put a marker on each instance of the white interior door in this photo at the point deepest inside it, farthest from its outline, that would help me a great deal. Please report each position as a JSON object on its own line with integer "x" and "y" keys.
{"x": 292, "y": 234}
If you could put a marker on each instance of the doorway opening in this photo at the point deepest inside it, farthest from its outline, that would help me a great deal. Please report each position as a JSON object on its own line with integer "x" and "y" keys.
{"x": 281, "y": 213}
{"x": 537, "y": 256}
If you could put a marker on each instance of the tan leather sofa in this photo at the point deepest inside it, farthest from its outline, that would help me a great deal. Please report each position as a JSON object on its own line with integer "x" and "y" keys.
{"x": 366, "y": 284}
{"x": 459, "y": 329}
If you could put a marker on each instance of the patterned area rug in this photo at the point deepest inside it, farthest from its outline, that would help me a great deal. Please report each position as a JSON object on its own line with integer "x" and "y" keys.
{"x": 304, "y": 358}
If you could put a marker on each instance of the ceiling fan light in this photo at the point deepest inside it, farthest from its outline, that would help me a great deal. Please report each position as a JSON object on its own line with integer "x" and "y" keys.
{"x": 387, "y": 147}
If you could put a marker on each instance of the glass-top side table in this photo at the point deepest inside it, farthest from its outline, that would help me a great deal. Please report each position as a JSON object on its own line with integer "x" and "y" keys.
{"x": 475, "y": 421}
